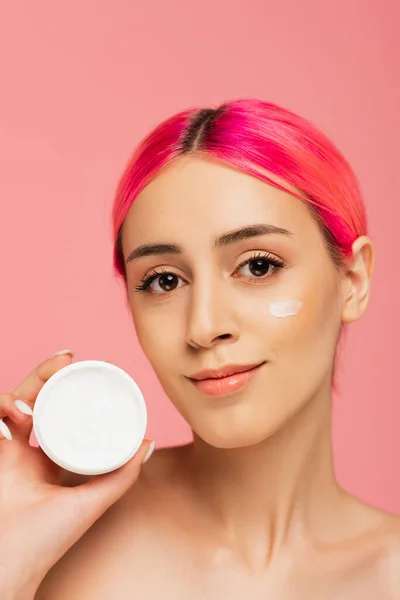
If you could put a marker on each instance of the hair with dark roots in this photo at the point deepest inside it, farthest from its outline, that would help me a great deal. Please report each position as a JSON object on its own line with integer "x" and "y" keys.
{"x": 263, "y": 140}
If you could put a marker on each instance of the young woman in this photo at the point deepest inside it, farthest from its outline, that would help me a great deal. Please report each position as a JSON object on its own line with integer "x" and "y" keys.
{"x": 241, "y": 238}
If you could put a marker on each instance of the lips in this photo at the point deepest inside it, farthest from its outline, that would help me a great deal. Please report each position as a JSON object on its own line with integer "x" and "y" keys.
{"x": 224, "y": 381}
{"x": 223, "y": 371}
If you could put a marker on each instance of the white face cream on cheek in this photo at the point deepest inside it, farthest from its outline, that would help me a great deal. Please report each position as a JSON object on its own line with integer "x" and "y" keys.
{"x": 90, "y": 417}
{"x": 285, "y": 308}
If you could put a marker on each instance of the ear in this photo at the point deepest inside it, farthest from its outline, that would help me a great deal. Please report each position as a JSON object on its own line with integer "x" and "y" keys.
{"x": 357, "y": 279}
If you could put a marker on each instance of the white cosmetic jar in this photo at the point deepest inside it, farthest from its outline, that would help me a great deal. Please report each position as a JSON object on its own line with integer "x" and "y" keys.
{"x": 90, "y": 417}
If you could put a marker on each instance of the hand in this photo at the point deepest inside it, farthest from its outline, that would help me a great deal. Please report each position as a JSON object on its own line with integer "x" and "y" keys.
{"x": 39, "y": 518}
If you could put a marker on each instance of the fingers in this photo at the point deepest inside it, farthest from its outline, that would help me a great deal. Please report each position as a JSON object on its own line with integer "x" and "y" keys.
{"x": 16, "y": 408}
{"x": 97, "y": 495}
{"x": 16, "y": 411}
{"x": 29, "y": 388}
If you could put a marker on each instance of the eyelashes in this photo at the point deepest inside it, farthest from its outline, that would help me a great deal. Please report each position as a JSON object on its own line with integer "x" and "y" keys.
{"x": 152, "y": 276}
{"x": 260, "y": 262}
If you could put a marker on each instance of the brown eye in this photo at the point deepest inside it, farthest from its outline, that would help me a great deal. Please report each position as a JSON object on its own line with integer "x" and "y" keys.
{"x": 160, "y": 283}
{"x": 168, "y": 282}
{"x": 259, "y": 267}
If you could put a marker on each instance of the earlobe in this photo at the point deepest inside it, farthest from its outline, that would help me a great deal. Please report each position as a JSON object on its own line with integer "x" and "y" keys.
{"x": 357, "y": 279}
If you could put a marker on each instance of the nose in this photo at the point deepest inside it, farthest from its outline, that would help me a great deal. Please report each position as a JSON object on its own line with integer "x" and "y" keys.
{"x": 212, "y": 318}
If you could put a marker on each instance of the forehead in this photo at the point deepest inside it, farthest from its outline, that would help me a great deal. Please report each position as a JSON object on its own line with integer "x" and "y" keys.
{"x": 205, "y": 197}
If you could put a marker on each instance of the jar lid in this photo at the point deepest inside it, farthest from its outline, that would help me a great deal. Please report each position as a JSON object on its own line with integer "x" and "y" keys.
{"x": 90, "y": 417}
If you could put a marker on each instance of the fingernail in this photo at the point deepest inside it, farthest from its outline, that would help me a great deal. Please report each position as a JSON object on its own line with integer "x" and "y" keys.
{"x": 63, "y": 352}
{"x": 149, "y": 451}
{"x": 23, "y": 407}
{"x": 5, "y": 432}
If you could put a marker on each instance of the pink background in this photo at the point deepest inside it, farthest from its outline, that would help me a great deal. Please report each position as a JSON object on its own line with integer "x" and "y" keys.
{"x": 82, "y": 81}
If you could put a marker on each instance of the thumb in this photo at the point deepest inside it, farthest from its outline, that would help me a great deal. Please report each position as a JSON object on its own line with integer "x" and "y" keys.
{"x": 98, "y": 494}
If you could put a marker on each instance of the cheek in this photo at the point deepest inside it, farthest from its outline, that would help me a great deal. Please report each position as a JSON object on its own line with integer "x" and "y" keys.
{"x": 158, "y": 336}
{"x": 300, "y": 327}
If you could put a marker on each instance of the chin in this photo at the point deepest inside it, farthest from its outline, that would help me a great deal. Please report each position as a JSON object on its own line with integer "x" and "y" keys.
{"x": 233, "y": 435}
{"x": 230, "y": 440}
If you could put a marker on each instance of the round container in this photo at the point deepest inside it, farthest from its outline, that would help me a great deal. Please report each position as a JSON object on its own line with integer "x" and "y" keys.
{"x": 90, "y": 417}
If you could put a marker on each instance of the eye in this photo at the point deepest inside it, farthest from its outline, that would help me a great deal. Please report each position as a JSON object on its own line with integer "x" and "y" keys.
{"x": 260, "y": 266}
{"x": 160, "y": 283}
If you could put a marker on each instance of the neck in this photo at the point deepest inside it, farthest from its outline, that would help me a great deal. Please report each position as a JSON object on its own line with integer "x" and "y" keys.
{"x": 275, "y": 492}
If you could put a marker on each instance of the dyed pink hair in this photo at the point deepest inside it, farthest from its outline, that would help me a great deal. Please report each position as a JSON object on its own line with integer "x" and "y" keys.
{"x": 256, "y": 137}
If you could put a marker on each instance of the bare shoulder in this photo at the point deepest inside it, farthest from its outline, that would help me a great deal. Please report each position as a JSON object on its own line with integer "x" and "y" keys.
{"x": 389, "y": 560}
{"x": 375, "y": 553}
{"x": 385, "y": 563}
{"x": 127, "y": 530}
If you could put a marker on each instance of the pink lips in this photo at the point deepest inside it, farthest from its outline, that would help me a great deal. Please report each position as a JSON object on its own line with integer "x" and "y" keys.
{"x": 227, "y": 380}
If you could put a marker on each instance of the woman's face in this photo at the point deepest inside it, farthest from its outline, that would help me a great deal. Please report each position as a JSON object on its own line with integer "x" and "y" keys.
{"x": 209, "y": 298}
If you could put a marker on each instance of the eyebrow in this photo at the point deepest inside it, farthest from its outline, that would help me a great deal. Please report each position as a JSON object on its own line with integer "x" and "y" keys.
{"x": 231, "y": 237}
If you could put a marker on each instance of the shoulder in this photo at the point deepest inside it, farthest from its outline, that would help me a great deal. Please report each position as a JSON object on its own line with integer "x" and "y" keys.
{"x": 375, "y": 553}
{"x": 389, "y": 559}
{"x": 119, "y": 536}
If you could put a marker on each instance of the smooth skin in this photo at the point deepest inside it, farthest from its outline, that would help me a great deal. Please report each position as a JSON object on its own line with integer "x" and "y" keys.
{"x": 251, "y": 508}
